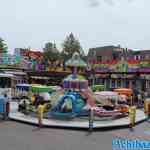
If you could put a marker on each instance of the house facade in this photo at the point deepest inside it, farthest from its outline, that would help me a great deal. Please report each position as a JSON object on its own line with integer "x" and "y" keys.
{"x": 116, "y": 67}
{"x": 105, "y": 53}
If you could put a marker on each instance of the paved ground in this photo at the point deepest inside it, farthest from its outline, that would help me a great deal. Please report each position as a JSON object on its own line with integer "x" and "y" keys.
{"x": 18, "y": 136}
{"x": 141, "y": 132}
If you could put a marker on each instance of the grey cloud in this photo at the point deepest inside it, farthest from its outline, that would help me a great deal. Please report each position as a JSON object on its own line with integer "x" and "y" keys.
{"x": 110, "y": 2}
{"x": 96, "y": 3}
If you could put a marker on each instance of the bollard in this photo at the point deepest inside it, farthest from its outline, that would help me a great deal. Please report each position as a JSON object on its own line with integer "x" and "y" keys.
{"x": 25, "y": 107}
{"x": 146, "y": 106}
{"x": 40, "y": 114}
{"x": 91, "y": 119}
{"x": 148, "y": 111}
{"x": 132, "y": 115}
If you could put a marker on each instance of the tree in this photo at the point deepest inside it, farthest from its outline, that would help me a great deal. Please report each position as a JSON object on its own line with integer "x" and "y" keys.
{"x": 3, "y": 46}
{"x": 71, "y": 45}
{"x": 50, "y": 52}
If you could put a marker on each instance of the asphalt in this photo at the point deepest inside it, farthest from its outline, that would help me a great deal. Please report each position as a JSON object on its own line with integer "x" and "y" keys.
{"x": 18, "y": 136}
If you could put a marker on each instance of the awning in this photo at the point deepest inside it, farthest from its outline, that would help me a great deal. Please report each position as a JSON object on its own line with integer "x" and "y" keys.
{"x": 38, "y": 77}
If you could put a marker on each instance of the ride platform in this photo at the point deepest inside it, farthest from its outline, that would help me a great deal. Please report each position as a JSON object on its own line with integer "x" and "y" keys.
{"x": 77, "y": 123}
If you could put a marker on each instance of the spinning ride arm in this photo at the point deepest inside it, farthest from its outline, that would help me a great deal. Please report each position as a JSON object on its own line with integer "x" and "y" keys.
{"x": 56, "y": 96}
{"x": 89, "y": 97}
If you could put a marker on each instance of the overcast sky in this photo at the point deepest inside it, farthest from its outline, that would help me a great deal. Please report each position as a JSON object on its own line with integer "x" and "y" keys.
{"x": 95, "y": 23}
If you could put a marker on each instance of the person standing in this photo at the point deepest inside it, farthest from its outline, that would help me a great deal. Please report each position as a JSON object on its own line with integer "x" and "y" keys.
{"x": 145, "y": 95}
{"x": 139, "y": 100}
{"x": 6, "y": 98}
{"x": 7, "y": 105}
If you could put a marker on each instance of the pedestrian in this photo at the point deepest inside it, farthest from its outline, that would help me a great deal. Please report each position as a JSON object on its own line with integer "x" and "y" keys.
{"x": 139, "y": 100}
{"x": 145, "y": 95}
{"x": 7, "y": 104}
{"x": 6, "y": 98}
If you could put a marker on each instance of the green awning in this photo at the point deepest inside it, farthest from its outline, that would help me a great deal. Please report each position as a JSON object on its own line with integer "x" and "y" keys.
{"x": 41, "y": 89}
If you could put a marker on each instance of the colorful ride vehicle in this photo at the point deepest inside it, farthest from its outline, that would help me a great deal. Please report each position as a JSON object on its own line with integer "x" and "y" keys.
{"x": 69, "y": 105}
{"x": 22, "y": 91}
{"x": 97, "y": 88}
{"x": 124, "y": 91}
{"x": 102, "y": 112}
{"x": 110, "y": 101}
{"x": 37, "y": 94}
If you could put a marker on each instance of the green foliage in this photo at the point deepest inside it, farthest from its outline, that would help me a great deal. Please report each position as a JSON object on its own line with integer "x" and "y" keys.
{"x": 70, "y": 46}
{"x": 3, "y": 46}
{"x": 51, "y": 52}
{"x": 97, "y": 88}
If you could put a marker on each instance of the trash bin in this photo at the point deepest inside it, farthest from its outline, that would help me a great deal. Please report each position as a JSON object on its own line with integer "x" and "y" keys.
{"x": 132, "y": 115}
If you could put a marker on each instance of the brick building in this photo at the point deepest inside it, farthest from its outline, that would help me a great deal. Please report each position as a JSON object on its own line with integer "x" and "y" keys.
{"x": 106, "y": 61}
{"x": 105, "y": 53}
{"x": 141, "y": 55}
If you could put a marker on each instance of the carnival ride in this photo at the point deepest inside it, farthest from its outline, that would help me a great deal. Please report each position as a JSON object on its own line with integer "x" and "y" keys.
{"x": 72, "y": 102}
{"x": 30, "y": 96}
{"x": 74, "y": 98}
{"x": 116, "y": 99}
{"x": 77, "y": 98}
{"x": 22, "y": 91}
{"x": 6, "y": 84}
{"x": 124, "y": 91}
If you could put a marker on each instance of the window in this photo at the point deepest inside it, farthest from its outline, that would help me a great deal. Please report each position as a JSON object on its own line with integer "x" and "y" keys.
{"x": 5, "y": 82}
{"x": 127, "y": 84}
{"x": 119, "y": 83}
{"x": 99, "y": 58}
{"x": 113, "y": 85}
{"x": 137, "y": 57}
{"x": 147, "y": 56}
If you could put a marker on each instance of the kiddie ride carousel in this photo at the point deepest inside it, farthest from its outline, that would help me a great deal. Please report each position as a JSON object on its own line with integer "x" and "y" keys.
{"x": 76, "y": 98}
